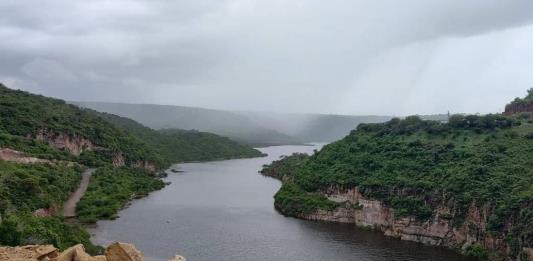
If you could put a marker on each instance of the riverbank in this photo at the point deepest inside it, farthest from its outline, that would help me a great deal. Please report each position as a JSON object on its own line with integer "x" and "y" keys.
{"x": 461, "y": 185}
{"x": 220, "y": 211}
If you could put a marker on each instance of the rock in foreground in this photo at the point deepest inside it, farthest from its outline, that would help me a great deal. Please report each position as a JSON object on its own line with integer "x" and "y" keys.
{"x": 114, "y": 252}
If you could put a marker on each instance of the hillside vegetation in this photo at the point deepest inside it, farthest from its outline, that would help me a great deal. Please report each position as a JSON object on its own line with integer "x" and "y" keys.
{"x": 25, "y": 116}
{"x": 416, "y": 166}
{"x": 176, "y": 145}
{"x": 62, "y": 140}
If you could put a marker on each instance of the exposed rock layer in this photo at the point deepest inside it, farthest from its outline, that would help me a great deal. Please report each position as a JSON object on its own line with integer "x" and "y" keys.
{"x": 438, "y": 231}
{"x": 516, "y": 108}
{"x": 19, "y": 157}
{"x": 72, "y": 143}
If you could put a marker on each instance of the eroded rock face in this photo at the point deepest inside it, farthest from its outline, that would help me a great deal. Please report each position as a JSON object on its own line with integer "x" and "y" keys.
{"x": 76, "y": 145}
{"x": 144, "y": 164}
{"x": 438, "y": 231}
{"x": 118, "y": 160}
{"x": 8, "y": 154}
{"x": 518, "y": 108}
{"x": 71, "y": 143}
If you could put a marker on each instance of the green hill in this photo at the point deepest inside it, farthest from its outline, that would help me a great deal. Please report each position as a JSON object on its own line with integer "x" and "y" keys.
{"x": 473, "y": 175}
{"x": 176, "y": 145}
{"x": 229, "y": 124}
{"x": 46, "y": 143}
{"x": 35, "y": 120}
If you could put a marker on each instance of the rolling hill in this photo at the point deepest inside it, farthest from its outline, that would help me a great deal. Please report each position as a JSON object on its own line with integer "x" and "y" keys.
{"x": 255, "y": 128}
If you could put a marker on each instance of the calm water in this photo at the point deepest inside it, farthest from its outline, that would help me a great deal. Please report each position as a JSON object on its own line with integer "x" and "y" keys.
{"x": 224, "y": 211}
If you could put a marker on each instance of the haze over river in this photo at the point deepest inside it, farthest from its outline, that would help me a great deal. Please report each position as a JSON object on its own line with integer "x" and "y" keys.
{"x": 224, "y": 210}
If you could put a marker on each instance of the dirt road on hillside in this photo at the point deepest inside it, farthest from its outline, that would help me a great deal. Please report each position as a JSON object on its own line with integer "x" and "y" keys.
{"x": 69, "y": 209}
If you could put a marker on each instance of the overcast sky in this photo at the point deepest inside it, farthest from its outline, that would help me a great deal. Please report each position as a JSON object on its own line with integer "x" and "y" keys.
{"x": 347, "y": 57}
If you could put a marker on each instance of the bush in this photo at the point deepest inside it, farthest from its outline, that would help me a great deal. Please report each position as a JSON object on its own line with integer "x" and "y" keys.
{"x": 111, "y": 188}
{"x": 477, "y": 252}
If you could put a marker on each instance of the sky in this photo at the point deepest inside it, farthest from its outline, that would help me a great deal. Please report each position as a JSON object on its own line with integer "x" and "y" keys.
{"x": 336, "y": 57}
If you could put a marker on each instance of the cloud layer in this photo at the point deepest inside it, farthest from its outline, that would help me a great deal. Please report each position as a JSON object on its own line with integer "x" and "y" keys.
{"x": 348, "y": 57}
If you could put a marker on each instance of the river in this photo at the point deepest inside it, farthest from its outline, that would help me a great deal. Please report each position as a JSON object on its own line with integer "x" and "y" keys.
{"x": 223, "y": 210}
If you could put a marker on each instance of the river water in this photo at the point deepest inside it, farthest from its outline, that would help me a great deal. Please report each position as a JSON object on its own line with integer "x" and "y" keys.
{"x": 223, "y": 210}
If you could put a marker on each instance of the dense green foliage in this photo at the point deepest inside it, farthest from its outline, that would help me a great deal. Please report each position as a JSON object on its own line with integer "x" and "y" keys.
{"x": 111, "y": 188}
{"x": 477, "y": 252}
{"x": 26, "y": 188}
{"x": 30, "y": 187}
{"x": 28, "y": 230}
{"x": 285, "y": 167}
{"x": 181, "y": 146}
{"x": 414, "y": 166}
{"x": 25, "y": 115}
{"x": 292, "y": 200}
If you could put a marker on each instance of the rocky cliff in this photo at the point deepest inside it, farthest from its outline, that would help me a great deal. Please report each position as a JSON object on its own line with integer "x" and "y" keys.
{"x": 72, "y": 143}
{"x": 120, "y": 161}
{"x": 114, "y": 252}
{"x": 437, "y": 231}
{"x": 516, "y": 108}
{"x": 75, "y": 145}
{"x": 520, "y": 105}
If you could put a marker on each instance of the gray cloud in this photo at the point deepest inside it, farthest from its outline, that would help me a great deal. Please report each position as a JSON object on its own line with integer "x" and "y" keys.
{"x": 352, "y": 57}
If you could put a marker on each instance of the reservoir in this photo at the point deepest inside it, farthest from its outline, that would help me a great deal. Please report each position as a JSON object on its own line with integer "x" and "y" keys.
{"x": 224, "y": 210}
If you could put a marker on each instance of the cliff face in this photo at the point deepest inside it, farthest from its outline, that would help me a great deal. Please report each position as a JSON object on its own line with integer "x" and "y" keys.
{"x": 71, "y": 143}
{"x": 438, "y": 231}
{"x": 120, "y": 161}
{"x": 75, "y": 145}
{"x": 516, "y": 108}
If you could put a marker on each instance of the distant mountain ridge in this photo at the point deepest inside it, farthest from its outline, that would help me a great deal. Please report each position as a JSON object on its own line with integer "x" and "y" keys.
{"x": 256, "y": 128}
{"x": 225, "y": 123}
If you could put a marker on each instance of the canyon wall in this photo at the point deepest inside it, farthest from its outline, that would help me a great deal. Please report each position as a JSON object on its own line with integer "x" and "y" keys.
{"x": 516, "y": 108}
{"x": 72, "y": 143}
{"x": 438, "y": 231}
{"x": 75, "y": 145}
{"x": 120, "y": 161}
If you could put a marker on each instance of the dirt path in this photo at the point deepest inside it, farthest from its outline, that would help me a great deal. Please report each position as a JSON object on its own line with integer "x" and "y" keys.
{"x": 69, "y": 209}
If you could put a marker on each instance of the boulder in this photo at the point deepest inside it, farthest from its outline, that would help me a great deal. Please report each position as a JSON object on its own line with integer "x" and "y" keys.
{"x": 115, "y": 252}
{"x": 28, "y": 253}
{"x": 77, "y": 253}
{"x": 178, "y": 258}
{"x": 123, "y": 252}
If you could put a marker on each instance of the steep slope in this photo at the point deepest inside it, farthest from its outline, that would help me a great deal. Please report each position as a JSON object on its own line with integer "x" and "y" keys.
{"x": 45, "y": 144}
{"x": 225, "y": 123}
{"x": 30, "y": 122}
{"x": 180, "y": 145}
{"x": 466, "y": 184}
{"x": 521, "y": 105}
